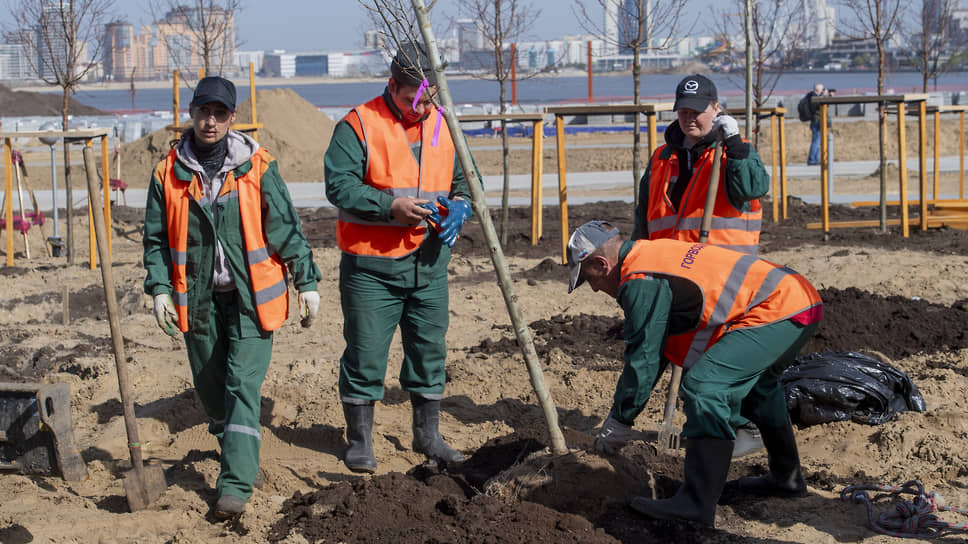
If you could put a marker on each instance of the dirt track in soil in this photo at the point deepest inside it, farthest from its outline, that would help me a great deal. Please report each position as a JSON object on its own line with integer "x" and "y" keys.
{"x": 437, "y": 506}
{"x": 509, "y": 490}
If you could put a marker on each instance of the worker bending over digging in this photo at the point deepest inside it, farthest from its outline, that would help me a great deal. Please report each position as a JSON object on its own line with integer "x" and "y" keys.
{"x": 737, "y": 322}
{"x": 392, "y": 171}
{"x": 220, "y": 234}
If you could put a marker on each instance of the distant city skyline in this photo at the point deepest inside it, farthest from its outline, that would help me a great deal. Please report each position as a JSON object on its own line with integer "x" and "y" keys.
{"x": 338, "y": 25}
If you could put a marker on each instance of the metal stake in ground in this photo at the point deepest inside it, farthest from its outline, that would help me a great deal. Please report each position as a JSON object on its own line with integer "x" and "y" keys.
{"x": 144, "y": 483}
{"x": 497, "y": 254}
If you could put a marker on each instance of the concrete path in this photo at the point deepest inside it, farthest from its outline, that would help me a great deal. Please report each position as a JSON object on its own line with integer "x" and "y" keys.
{"x": 608, "y": 184}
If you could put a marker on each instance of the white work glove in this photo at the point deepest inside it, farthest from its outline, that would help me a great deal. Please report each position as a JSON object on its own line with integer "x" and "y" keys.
{"x": 726, "y": 127}
{"x": 165, "y": 314}
{"x": 612, "y": 436}
{"x": 308, "y": 307}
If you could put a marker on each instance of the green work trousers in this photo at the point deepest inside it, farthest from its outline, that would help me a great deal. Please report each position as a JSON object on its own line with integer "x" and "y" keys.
{"x": 372, "y": 310}
{"x": 228, "y": 368}
{"x": 739, "y": 377}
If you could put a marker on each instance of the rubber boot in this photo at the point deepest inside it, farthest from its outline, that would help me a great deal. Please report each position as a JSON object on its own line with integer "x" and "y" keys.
{"x": 785, "y": 478}
{"x": 426, "y": 436}
{"x": 706, "y": 467}
{"x": 359, "y": 429}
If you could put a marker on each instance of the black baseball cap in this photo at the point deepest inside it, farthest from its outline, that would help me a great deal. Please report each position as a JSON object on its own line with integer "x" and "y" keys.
{"x": 695, "y": 92}
{"x": 214, "y": 89}
{"x": 408, "y": 64}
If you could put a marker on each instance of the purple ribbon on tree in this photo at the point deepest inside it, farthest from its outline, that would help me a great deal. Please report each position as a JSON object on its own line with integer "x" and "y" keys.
{"x": 424, "y": 85}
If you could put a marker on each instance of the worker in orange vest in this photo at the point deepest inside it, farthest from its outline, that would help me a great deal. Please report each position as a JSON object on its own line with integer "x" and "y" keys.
{"x": 733, "y": 322}
{"x": 220, "y": 237}
{"x": 392, "y": 170}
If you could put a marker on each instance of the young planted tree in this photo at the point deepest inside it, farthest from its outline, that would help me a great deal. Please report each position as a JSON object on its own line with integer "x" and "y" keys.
{"x": 878, "y": 21}
{"x": 198, "y": 33}
{"x": 634, "y": 26}
{"x": 63, "y": 39}
{"x": 502, "y": 23}
{"x": 777, "y": 36}
{"x": 936, "y": 40}
{"x": 402, "y": 25}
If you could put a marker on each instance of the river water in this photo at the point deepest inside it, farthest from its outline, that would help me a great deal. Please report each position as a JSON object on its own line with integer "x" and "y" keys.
{"x": 545, "y": 90}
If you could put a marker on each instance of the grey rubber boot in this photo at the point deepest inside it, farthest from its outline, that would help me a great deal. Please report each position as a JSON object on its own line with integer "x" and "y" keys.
{"x": 706, "y": 468}
{"x": 229, "y": 506}
{"x": 426, "y": 436}
{"x": 785, "y": 478}
{"x": 359, "y": 429}
{"x": 748, "y": 440}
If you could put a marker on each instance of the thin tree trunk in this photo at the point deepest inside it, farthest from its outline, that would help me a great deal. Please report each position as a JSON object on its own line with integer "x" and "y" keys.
{"x": 67, "y": 179}
{"x": 636, "y": 126}
{"x": 506, "y": 189}
{"x": 521, "y": 330}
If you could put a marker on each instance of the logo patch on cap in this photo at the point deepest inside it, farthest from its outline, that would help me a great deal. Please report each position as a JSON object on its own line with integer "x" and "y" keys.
{"x": 691, "y": 86}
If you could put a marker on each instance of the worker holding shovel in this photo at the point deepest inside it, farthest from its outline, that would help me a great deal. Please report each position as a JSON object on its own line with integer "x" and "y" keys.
{"x": 734, "y": 321}
{"x": 682, "y": 186}
{"x": 221, "y": 234}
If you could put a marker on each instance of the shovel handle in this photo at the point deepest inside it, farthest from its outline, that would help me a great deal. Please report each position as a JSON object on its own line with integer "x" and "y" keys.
{"x": 672, "y": 396}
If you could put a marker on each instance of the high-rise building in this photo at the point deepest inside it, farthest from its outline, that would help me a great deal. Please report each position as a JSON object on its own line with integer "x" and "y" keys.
{"x": 470, "y": 37}
{"x": 176, "y": 42}
{"x": 610, "y": 35}
{"x": 14, "y": 64}
{"x": 820, "y": 23}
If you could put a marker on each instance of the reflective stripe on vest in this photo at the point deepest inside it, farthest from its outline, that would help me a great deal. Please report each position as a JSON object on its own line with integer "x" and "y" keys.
{"x": 738, "y": 290}
{"x": 266, "y": 270}
{"x": 392, "y": 168}
{"x": 730, "y": 228}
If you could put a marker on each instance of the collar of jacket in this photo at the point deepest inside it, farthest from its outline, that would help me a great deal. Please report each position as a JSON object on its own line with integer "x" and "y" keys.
{"x": 183, "y": 173}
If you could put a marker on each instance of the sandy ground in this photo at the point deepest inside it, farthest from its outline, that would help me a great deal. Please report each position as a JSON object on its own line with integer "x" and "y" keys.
{"x": 904, "y": 292}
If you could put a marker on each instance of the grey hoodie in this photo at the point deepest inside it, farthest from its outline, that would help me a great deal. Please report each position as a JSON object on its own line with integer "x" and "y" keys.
{"x": 240, "y": 149}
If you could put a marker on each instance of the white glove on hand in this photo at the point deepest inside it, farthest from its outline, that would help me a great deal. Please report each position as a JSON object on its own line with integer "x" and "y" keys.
{"x": 308, "y": 307}
{"x": 727, "y": 127}
{"x": 165, "y": 314}
{"x": 612, "y": 436}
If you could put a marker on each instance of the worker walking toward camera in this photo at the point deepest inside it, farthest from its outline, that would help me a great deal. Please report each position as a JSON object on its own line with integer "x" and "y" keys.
{"x": 392, "y": 171}
{"x": 734, "y": 322}
{"x": 220, "y": 234}
{"x": 672, "y": 193}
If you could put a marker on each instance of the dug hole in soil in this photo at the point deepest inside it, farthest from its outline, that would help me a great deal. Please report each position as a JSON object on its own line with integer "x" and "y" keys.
{"x": 904, "y": 299}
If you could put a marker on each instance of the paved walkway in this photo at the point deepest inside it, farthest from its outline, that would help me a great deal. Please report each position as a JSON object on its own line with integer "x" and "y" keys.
{"x": 608, "y": 184}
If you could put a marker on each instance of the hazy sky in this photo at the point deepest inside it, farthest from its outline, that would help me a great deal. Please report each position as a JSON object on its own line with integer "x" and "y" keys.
{"x": 339, "y": 24}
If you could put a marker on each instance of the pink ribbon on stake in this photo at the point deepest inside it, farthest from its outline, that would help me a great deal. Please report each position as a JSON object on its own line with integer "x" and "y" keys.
{"x": 424, "y": 85}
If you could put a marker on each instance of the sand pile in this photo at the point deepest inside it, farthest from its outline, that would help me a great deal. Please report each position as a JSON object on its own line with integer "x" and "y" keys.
{"x": 294, "y": 131}
{"x": 25, "y": 103}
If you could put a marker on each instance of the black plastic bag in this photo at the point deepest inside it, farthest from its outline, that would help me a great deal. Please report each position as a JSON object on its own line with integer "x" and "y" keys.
{"x": 845, "y": 385}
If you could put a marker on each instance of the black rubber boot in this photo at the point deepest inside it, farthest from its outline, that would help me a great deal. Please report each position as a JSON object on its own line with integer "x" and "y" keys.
{"x": 706, "y": 468}
{"x": 426, "y": 436}
{"x": 359, "y": 428}
{"x": 784, "y": 478}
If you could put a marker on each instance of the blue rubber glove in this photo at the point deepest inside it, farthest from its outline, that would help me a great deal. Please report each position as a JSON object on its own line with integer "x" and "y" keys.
{"x": 434, "y": 217}
{"x": 458, "y": 210}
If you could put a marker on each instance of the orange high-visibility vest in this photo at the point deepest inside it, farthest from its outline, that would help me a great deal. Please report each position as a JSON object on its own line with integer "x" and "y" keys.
{"x": 392, "y": 168}
{"x": 266, "y": 271}
{"x": 738, "y": 291}
{"x": 730, "y": 227}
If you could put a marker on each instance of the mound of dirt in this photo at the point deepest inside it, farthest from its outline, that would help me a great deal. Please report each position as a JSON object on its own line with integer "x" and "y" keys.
{"x": 25, "y": 103}
{"x": 294, "y": 131}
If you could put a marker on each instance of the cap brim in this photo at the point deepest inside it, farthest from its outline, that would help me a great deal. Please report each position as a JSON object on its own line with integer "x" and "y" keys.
{"x": 692, "y": 103}
{"x": 574, "y": 281}
{"x": 202, "y": 100}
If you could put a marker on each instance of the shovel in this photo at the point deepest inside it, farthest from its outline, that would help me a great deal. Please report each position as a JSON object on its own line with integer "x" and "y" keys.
{"x": 144, "y": 483}
{"x": 668, "y": 434}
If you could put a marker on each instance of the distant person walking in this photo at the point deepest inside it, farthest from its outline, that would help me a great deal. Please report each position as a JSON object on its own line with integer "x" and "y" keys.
{"x": 220, "y": 238}
{"x": 392, "y": 171}
{"x": 813, "y": 157}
